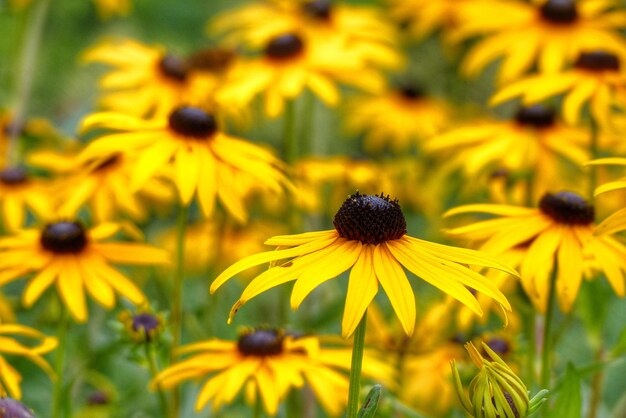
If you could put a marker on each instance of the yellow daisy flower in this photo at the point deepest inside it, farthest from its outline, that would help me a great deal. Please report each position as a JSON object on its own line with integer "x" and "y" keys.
{"x": 596, "y": 78}
{"x": 147, "y": 79}
{"x": 19, "y": 193}
{"x": 9, "y": 377}
{"x": 357, "y": 30}
{"x": 268, "y": 363}
{"x": 203, "y": 159}
{"x": 370, "y": 240}
{"x": 533, "y": 141}
{"x": 548, "y": 33}
{"x": 422, "y": 17}
{"x": 398, "y": 118}
{"x": 109, "y": 8}
{"x": 65, "y": 253}
{"x": 559, "y": 234}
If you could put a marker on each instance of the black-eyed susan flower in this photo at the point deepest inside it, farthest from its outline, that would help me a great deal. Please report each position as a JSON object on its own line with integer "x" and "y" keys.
{"x": 189, "y": 143}
{"x": 422, "y": 17}
{"x": 142, "y": 326}
{"x": 533, "y": 142}
{"x": 12, "y": 408}
{"x": 547, "y": 33}
{"x": 559, "y": 234}
{"x": 370, "y": 239}
{"x": 268, "y": 363}
{"x": 13, "y": 341}
{"x": 147, "y": 79}
{"x": 399, "y": 118}
{"x": 617, "y": 221}
{"x": 21, "y": 193}
{"x": 596, "y": 80}
{"x": 67, "y": 254}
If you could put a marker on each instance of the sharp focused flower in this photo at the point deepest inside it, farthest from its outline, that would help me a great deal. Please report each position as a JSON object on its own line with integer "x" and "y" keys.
{"x": 547, "y": 33}
{"x": 147, "y": 80}
{"x": 370, "y": 239}
{"x": 65, "y": 253}
{"x": 20, "y": 192}
{"x": 204, "y": 160}
{"x": 9, "y": 377}
{"x": 11, "y": 408}
{"x": 399, "y": 118}
{"x": 555, "y": 238}
{"x": 596, "y": 79}
{"x": 268, "y": 363}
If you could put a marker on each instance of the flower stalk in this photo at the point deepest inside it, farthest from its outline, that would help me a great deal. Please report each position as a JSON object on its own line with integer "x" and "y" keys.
{"x": 355, "y": 368}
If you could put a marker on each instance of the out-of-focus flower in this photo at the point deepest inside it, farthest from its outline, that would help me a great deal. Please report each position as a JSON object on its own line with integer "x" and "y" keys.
{"x": 21, "y": 193}
{"x": 370, "y": 239}
{"x": 9, "y": 377}
{"x": 399, "y": 118}
{"x": 188, "y": 141}
{"x": 555, "y": 238}
{"x": 547, "y": 33}
{"x": 12, "y": 408}
{"x": 422, "y": 17}
{"x": 268, "y": 363}
{"x": 109, "y": 8}
{"x": 596, "y": 79}
{"x": 147, "y": 80}
{"x": 65, "y": 253}
{"x": 617, "y": 221}
{"x": 142, "y": 326}
{"x": 533, "y": 142}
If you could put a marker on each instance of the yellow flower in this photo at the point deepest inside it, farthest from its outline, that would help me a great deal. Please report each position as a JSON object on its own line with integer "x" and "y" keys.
{"x": 422, "y": 17}
{"x": 555, "y": 238}
{"x": 547, "y": 33}
{"x": 188, "y": 141}
{"x": 617, "y": 221}
{"x": 370, "y": 240}
{"x": 18, "y": 192}
{"x": 268, "y": 363}
{"x": 147, "y": 80}
{"x": 596, "y": 79}
{"x": 533, "y": 141}
{"x": 9, "y": 377}
{"x": 399, "y": 118}
{"x": 65, "y": 253}
{"x": 109, "y": 8}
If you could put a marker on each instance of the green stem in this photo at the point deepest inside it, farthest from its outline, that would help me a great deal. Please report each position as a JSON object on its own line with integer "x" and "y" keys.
{"x": 596, "y": 385}
{"x": 59, "y": 364}
{"x": 546, "y": 354}
{"x": 177, "y": 295}
{"x": 258, "y": 406}
{"x": 289, "y": 134}
{"x": 593, "y": 154}
{"x": 26, "y": 73}
{"x": 355, "y": 368}
{"x": 308, "y": 119}
{"x": 154, "y": 371}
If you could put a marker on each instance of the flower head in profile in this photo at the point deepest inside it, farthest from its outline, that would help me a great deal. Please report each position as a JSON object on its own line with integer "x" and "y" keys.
{"x": 67, "y": 254}
{"x": 12, "y": 408}
{"x": 597, "y": 79}
{"x": 555, "y": 238}
{"x": 21, "y": 193}
{"x": 188, "y": 142}
{"x": 13, "y": 341}
{"x": 370, "y": 239}
{"x": 547, "y": 33}
{"x": 400, "y": 117}
{"x": 269, "y": 363}
{"x": 143, "y": 326}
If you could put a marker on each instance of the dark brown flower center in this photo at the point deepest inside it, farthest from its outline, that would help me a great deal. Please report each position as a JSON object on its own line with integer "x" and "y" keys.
{"x": 284, "y": 46}
{"x": 318, "y": 9}
{"x": 192, "y": 122}
{"x": 597, "y": 61}
{"x": 215, "y": 60}
{"x": 559, "y": 11}
{"x": 64, "y": 237}
{"x": 567, "y": 208}
{"x": 410, "y": 91}
{"x": 370, "y": 219}
{"x": 108, "y": 163}
{"x": 261, "y": 342}
{"x": 174, "y": 68}
{"x": 145, "y": 323}
{"x": 537, "y": 116}
{"x": 13, "y": 176}
{"x": 10, "y": 408}
{"x": 499, "y": 345}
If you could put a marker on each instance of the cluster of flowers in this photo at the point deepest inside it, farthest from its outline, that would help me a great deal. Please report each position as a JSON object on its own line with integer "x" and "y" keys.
{"x": 168, "y": 132}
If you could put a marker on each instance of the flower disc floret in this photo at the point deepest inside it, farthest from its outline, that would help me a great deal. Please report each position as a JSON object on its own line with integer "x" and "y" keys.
{"x": 64, "y": 237}
{"x": 284, "y": 46}
{"x": 261, "y": 342}
{"x": 318, "y": 9}
{"x": 13, "y": 176}
{"x": 11, "y": 408}
{"x": 174, "y": 68}
{"x": 559, "y": 11}
{"x": 567, "y": 208}
{"x": 537, "y": 116}
{"x": 410, "y": 91}
{"x": 597, "y": 61}
{"x": 192, "y": 122}
{"x": 370, "y": 219}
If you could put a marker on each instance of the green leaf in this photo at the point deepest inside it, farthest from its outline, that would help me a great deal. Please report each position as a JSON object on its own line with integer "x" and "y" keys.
{"x": 368, "y": 409}
{"x": 569, "y": 399}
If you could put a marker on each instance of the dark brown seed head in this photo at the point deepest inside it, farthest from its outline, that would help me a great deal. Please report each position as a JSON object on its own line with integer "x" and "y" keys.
{"x": 174, "y": 68}
{"x": 215, "y": 60}
{"x": 597, "y": 61}
{"x": 260, "y": 343}
{"x": 64, "y": 237}
{"x": 410, "y": 91}
{"x": 192, "y": 122}
{"x": 560, "y": 12}
{"x": 567, "y": 208}
{"x": 537, "y": 116}
{"x": 284, "y": 46}
{"x": 318, "y": 9}
{"x": 13, "y": 176}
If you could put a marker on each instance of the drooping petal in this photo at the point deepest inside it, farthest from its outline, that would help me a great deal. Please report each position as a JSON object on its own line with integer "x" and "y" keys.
{"x": 362, "y": 287}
